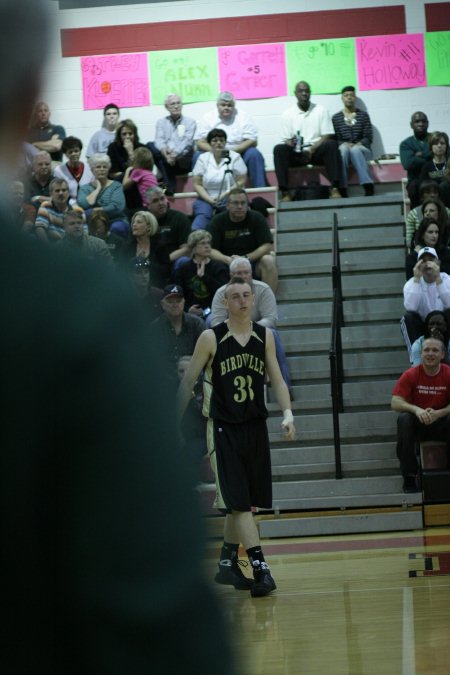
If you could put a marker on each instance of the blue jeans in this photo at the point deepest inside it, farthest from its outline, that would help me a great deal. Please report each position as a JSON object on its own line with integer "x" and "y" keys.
{"x": 203, "y": 212}
{"x": 357, "y": 156}
{"x": 255, "y": 166}
{"x": 281, "y": 357}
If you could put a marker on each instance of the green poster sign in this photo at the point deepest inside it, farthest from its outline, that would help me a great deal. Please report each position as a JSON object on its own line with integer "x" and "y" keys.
{"x": 327, "y": 65}
{"x": 190, "y": 73}
{"x": 437, "y": 58}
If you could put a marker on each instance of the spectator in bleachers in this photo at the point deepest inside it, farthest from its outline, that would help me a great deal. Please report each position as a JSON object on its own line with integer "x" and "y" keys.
{"x": 308, "y": 138}
{"x": 121, "y": 150}
{"x": 76, "y": 239}
{"x": 139, "y": 273}
{"x": 103, "y": 137}
{"x": 99, "y": 226}
{"x": 173, "y": 147}
{"x": 215, "y": 173}
{"x": 37, "y": 186}
{"x": 49, "y": 223}
{"x": 430, "y": 208}
{"x": 241, "y": 136}
{"x": 436, "y": 167}
{"x": 354, "y": 135}
{"x": 436, "y": 325}
{"x": 43, "y": 134}
{"x": 430, "y": 234}
{"x": 422, "y": 397}
{"x": 74, "y": 171}
{"x": 174, "y": 228}
{"x": 143, "y": 227}
{"x": 414, "y": 152}
{"x": 106, "y": 194}
{"x": 427, "y": 290}
{"x": 264, "y": 310}
{"x": 444, "y": 186}
{"x": 140, "y": 174}
{"x": 243, "y": 232}
{"x": 200, "y": 276}
{"x": 428, "y": 190}
{"x": 180, "y": 330}
{"x": 24, "y": 214}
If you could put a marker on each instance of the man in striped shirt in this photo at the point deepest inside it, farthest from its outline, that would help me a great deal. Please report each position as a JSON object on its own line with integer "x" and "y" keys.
{"x": 353, "y": 130}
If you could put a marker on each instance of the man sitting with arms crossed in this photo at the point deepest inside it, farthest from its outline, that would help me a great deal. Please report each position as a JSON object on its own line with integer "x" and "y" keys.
{"x": 236, "y": 354}
{"x": 242, "y": 232}
{"x": 422, "y": 397}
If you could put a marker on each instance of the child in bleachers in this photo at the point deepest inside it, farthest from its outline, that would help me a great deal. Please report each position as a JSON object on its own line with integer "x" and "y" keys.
{"x": 140, "y": 173}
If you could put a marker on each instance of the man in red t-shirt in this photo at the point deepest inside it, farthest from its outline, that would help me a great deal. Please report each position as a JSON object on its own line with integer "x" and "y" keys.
{"x": 422, "y": 397}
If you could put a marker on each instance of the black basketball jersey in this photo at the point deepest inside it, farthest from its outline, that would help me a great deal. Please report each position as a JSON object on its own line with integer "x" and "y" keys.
{"x": 234, "y": 382}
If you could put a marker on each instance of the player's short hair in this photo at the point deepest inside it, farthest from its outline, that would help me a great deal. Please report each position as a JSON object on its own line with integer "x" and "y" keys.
{"x": 237, "y": 280}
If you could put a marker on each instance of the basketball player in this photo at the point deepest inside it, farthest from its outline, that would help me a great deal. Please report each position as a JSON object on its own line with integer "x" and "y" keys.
{"x": 236, "y": 354}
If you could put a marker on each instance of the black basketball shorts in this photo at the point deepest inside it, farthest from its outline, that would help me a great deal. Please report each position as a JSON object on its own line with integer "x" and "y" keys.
{"x": 242, "y": 458}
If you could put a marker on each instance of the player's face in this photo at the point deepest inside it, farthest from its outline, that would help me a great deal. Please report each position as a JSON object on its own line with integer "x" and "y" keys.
{"x": 432, "y": 353}
{"x": 239, "y": 300}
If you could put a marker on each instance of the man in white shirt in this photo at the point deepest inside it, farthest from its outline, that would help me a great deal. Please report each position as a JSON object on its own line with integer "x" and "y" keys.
{"x": 427, "y": 290}
{"x": 242, "y": 135}
{"x": 308, "y": 138}
{"x": 173, "y": 146}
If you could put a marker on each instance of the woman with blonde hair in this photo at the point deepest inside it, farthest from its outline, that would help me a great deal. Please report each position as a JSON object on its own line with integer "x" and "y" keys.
{"x": 200, "y": 277}
{"x": 144, "y": 226}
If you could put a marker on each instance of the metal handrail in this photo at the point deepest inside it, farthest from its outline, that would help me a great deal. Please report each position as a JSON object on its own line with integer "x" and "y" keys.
{"x": 335, "y": 352}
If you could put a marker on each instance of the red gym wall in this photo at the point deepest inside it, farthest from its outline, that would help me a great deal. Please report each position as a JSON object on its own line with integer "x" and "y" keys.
{"x": 234, "y": 31}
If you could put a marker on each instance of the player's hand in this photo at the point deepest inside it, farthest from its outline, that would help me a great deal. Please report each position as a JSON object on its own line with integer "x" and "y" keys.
{"x": 288, "y": 425}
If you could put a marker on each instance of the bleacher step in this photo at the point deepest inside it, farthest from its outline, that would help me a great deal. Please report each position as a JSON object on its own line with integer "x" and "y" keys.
{"x": 409, "y": 519}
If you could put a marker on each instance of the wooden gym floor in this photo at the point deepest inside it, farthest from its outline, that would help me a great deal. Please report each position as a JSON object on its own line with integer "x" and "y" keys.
{"x": 369, "y": 604}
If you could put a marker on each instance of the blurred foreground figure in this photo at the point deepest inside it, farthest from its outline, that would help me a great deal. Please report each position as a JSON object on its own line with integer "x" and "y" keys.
{"x": 100, "y": 542}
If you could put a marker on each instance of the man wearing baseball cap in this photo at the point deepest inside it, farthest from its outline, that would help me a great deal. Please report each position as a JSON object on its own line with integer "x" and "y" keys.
{"x": 427, "y": 290}
{"x": 180, "y": 330}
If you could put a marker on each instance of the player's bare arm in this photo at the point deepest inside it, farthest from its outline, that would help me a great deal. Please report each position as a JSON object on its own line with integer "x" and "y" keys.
{"x": 203, "y": 354}
{"x": 279, "y": 387}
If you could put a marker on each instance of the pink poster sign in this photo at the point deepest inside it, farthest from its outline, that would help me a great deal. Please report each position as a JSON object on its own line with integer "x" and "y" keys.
{"x": 117, "y": 78}
{"x": 253, "y": 71}
{"x": 391, "y": 62}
